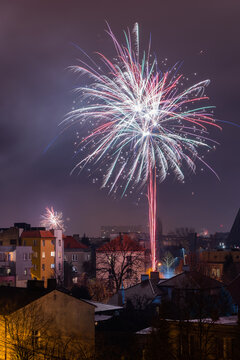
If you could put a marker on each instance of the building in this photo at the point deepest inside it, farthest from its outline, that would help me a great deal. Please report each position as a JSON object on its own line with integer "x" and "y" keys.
{"x": 48, "y": 253}
{"x": 77, "y": 256}
{"x": 195, "y": 339}
{"x": 15, "y": 265}
{"x": 121, "y": 262}
{"x": 110, "y": 231}
{"x": 141, "y": 295}
{"x": 46, "y": 323}
{"x": 12, "y": 235}
{"x": 213, "y": 263}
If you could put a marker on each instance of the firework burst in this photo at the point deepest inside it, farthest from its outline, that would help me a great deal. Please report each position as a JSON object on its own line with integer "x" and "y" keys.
{"x": 52, "y": 219}
{"x": 144, "y": 123}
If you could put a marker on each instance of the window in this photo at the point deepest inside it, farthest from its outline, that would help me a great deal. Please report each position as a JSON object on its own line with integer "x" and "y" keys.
{"x": 43, "y": 267}
{"x": 52, "y": 253}
{"x": 25, "y": 271}
{"x": 129, "y": 273}
{"x": 52, "y": 266}
{"x": 59, "y": 243}
{"x": 74, "y": 257}
{"x": 13, "y": 242}
{"x": 35, "y": 254}
{"x": 43, "y": 242}
{"x": 29, "y": 256}
{"x": 59, "y": 266}
{"x": 25, "y": 256}
{"x": 129, "y": 260}
{"x": 35, "y": 267}
{"x": 1, "y": 243}
{"x": 43, "y": 254}
{"x": 34, "y": 242}
{"x": 52, "y": 242}
{"x": 59, "y": 254}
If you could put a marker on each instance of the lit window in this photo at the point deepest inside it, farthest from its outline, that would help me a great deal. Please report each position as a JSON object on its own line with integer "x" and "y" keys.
{"x": 52, "y": 253}
{"x": 52, "y": 266}
{"x": 59, "y": 254}
{"x": 43, "y": 254}
{"x": 25, "y": 271}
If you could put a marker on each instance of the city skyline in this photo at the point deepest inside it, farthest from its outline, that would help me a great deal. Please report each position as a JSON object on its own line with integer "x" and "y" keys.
{"x": 39, "y": 44}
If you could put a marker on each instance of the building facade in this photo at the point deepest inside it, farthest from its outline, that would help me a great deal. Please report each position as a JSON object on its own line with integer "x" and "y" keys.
{"x": 15, "y": 265}
{"x": 47, "y": 258}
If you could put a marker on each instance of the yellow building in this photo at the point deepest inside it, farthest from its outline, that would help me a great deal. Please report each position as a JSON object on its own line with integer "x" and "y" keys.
{"x": 42, "y": 324}
{"x": 43, "y": 256}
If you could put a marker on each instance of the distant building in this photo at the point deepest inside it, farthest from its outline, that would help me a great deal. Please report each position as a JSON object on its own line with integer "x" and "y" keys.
{"x": 110, "y": 231}
{"x": 15, "y": 265}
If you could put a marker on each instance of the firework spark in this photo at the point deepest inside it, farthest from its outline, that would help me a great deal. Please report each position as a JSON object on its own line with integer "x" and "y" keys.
{"x": 144, "y": 122}
{"x": 52, "y": 219}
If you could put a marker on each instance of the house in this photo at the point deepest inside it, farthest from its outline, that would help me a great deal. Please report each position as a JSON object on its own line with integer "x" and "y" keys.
{"x": 191, "y": 292}
{"x": 15, "y": 265}
{"x": 48, "y": 253}
{"x": 194, "y": 339}
{"x": 222, "y": 265}
{"x": 120, "y": 262}
{"x": 77, "y": 255}
{"x": 141, "y": 294}
{"x": 43, "y": 322}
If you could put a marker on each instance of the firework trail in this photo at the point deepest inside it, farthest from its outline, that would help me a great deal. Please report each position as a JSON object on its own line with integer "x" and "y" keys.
{"x": 145, "y": 124}
{"x": 52, "y": 219}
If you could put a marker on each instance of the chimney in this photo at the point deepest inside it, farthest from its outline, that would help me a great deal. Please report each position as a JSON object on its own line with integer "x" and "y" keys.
{"x": 35, "y": 284}
{"x": 51, "y": 284}
{"x": 144, "y": 277}
{"x": 154, "y": 275}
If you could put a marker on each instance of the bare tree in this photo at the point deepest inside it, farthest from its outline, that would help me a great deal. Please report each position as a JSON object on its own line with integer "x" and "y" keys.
{"x": 120, "y": 261}
{"x": 167, "y": 262}
{"x": 29, "y": 335}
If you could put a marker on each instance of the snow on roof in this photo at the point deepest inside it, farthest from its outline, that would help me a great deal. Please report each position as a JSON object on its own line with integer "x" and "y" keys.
{"x": 99, "y": 318}
{"x": 224, "y": 320}
{"x": 101, "y": 307}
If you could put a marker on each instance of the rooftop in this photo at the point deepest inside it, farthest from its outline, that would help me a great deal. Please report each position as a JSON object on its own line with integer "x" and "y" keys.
{"x": 71, "y": 243}
{"x": 190, "y": 280}
{"x": 121, "y": 243}
{"x": 39, "y": 234}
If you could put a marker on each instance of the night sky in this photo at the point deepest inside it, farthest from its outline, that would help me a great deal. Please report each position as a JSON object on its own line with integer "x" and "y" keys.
{"x": 37, "y": 47}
